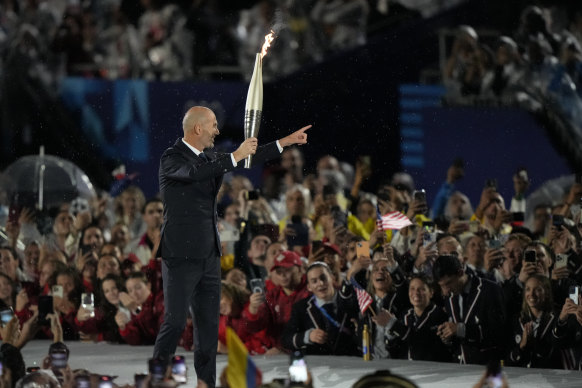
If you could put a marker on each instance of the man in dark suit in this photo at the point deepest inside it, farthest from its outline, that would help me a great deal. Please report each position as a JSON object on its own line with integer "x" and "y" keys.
{"x": 189, "y": 243}
{"x": 476, "y": 310}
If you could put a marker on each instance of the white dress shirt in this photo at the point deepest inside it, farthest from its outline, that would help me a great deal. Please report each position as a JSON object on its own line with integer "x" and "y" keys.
{"x": 198, "y": 152}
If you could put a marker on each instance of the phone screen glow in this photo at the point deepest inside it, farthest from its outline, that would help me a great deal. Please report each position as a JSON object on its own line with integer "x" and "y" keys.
{"x": 298, "y": 371}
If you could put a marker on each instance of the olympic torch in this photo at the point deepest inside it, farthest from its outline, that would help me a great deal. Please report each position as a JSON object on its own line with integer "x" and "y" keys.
{"x": 254, "y": 104}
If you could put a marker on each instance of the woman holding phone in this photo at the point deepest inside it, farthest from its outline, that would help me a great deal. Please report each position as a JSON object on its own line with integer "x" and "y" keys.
{"x": 66, "y": 295}
{"x": 102, "y": 326}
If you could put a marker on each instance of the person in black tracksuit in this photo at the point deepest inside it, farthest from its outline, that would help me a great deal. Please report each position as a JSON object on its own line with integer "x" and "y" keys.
{"x": 537, "y": 342}
{"x": 476, "y": 312}
{"x": 414, "y": 336}
{"x": 323, "y": 323}
{"x": 388, "y": 287}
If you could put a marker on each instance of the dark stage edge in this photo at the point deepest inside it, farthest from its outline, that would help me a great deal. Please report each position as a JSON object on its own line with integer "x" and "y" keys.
{"x": 328, "y": 371}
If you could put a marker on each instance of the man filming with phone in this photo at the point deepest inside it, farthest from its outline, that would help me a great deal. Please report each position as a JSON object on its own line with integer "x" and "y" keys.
{"x": 491, "y": 211}
{"x": 273, "y": 309}
{"x": 253, "y": 264}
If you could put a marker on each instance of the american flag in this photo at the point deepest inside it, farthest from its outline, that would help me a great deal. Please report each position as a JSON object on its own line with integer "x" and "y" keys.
{"x": 364, "y": 299}
{"x": 395, "y": 220}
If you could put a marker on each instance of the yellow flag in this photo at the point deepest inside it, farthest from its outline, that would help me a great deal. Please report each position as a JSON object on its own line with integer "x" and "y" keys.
{"x": 241, "y": 370}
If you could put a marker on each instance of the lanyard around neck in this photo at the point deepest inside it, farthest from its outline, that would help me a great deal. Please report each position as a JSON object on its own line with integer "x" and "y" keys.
{"x": 325, "y": 313}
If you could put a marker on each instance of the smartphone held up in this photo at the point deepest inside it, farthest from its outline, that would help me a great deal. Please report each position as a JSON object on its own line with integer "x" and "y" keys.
{"x": 257, "y": 286}
{"x": 45, "y": 307}
{"x": 6, "y": 316}
{"x": 494, "y": 374}
{"x": 297, "y": 368}
{"x": 430, "y": 235}
{"x": 179, "y": 371}
{"x": 300, "y": 232}
{"x": 252, "y": 195}
{"x": 574, "y": 293}
{"x": 83, "y": 381}
{"x": 363, "y": 249}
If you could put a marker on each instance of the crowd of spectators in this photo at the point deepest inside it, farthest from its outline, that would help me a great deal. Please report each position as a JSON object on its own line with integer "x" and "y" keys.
{"x": 541, "y": 60}
{"x": 174, "y": 40}
{"x": 181, "y": 39}
{"x": 457, "y": 285}
{"x": 462, "y": 283}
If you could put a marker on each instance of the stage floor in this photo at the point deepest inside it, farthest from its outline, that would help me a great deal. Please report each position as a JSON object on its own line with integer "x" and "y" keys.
{"x": 338, "y": 372}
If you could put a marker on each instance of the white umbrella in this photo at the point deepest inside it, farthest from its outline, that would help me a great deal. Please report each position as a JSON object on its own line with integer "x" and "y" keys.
{"x": 43, "y": 181}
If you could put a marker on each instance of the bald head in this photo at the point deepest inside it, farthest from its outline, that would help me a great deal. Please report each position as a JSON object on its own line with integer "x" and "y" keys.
{"x": 200, "y": 127}
{"x": 196, "y": 115}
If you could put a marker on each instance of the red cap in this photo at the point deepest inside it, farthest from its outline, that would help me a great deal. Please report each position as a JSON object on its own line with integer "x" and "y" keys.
{"x": 132, "y": 258}
{"x": 287, "y": 259}
{"x": 333, "y": 247}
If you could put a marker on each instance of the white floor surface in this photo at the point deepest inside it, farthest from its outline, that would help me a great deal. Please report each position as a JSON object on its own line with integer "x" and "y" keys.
{"x": 338, "y": 372}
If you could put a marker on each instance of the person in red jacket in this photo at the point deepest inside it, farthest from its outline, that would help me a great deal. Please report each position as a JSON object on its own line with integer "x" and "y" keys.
{"x": 233, "y": 301}
{"x": 144, "y": 324}
{"x": 273, "y": 251}
{"x": 67, "y": 301}
{"x": 28, "y": 297}
{"x": 7, "y": 291}
{"x": 273, "y": 310}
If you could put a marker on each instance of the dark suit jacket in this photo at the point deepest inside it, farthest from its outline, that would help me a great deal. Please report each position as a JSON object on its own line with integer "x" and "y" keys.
{"x": 306, "y": 315}
{"x": 484, "y": 318}
{"x": 188, "y": 187}
{"x": 417, "y": 339}
{"x": 395, "y": 301}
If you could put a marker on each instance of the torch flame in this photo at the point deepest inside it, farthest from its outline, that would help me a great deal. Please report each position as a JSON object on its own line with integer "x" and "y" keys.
{"x": 268, "y": 39}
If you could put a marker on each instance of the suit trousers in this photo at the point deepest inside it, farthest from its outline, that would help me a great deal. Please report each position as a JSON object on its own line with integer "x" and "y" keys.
{"x": 191, "y": 283}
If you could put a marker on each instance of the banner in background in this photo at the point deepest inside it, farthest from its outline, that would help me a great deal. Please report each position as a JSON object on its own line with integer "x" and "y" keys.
{"x": 134, "y": 121}
{"x": 493, "y": 142}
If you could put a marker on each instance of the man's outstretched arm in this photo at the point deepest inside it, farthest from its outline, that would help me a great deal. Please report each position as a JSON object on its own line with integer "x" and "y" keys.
{"x": 297, "y": 137}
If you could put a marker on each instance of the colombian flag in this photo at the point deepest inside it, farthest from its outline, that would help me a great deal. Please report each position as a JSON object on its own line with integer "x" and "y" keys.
{"x": 241, "y": 370}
